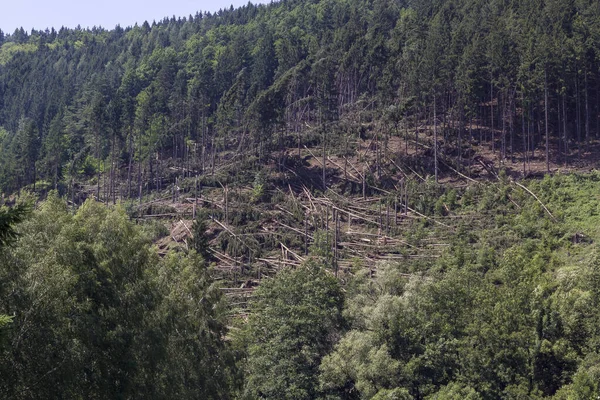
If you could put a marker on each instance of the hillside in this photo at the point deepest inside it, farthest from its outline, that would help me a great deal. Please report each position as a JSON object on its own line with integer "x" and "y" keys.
{"x": 304, "y": 200}
{"x": 125, "y": 106}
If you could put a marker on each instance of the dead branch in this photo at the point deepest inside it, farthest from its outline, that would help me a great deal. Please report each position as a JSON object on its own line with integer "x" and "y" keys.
{"x": 535, "y": 197}
{"x": 301, "y": 259}
{"x": 293, "y": 229}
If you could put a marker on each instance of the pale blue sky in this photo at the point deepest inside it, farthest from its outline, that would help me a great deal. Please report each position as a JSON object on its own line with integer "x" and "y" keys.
{"x": 42, "y": 14}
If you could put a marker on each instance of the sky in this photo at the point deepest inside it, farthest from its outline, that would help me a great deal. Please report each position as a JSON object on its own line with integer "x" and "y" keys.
{"x": 42, "y": 14}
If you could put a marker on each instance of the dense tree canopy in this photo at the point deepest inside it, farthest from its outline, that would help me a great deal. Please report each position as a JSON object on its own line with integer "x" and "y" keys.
{"x": 497, "y": 301}
{"x": 98, "y": 315}
{"x": 76, "y": 103}
{"x": 294, "y": 323}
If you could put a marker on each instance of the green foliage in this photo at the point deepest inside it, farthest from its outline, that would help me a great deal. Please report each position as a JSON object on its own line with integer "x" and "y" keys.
{"x": 9, "y": 217}
{"x": 295, "y": 320}
{"x": 356, "y": 365}
{"x": 258, "y": 187}
{"x": 197, "y": 362}
{"x": 200, "y": 239}
{"x": 253, "y": 78}
{"x": 455, "y": 391}
{"x": 492, "y": 318}
{"x": 10, "y": 49}
{"x": 97, "y": 311}
{"x": 321, "y": 245}
{"x": 509, "y": 310}
{"x": 392, "y": 394}
{"x": 5, "y": 320}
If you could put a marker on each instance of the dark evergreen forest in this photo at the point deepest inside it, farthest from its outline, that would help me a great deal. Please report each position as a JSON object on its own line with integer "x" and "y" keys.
{"x": 311, "y": 199}
{"x": 519, "y": 77}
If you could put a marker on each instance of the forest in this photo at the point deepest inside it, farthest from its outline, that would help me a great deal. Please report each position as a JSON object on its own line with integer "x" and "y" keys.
{"x": 310, "y": 199}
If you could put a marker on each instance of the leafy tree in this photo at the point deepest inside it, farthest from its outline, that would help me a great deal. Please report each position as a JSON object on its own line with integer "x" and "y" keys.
{"x": 200, "y": 242}
{"x": 96, "y": 310}
{"x": 456, "y": 391}
{"x": 295, "y": 320}
{"x": 9, "y": 217}
{"x": 193, "y": 315}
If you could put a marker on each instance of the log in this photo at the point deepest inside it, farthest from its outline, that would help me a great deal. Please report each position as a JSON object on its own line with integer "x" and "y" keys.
{"x": 535, "y": 197}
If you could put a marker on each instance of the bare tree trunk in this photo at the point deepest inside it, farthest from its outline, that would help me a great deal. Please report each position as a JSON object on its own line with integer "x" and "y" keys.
{"x": 335, "y": 241}
{"x": 98, "y": 166}
{"x": 492, "y": 116}
{"x": 565, "y": 136}
{"x": 113, "y": 170}
{"x": 511, "y": 125}
{"x": 461, "y": 128}
{"x": 346, "y": 159}
{"x": 140, "y": 180}
{"x": 546, "y": 114}
{"x": 587, "y": 112}
{"x": 130, "y": 140}
{"x": 104, "y": 186}
{"x": 503, "y": 140}
{"x": 417, "y": 131}
{"x": 396, "y": 208}
{"x": 435, "y": 141}
{"x": 324, "y": 159}
{"x": 226, "y": 196}
{"x": 377, "y": 155}
{"x": 558, "y": 134}
{"x": 34, "y": 176}
{"x": 405, "y": 197}
{"x": 364, "y": 183}
{"x": 578, "y": 116}
{"x": 597, "y": 108}
{"x": 305, "y": 234}
{"x": 406, "y": 134}
{"x": 524, "y": 150}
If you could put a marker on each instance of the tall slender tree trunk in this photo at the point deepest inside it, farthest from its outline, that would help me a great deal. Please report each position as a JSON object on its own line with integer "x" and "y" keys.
{"x": 492, "y": 116}
{"x": 523, "y": 137}
{"x": 480, "y": 116}
{"x": 417, "y": 131}
{"x": 578, "y": 116}
{"x": 546, "y": 117}
{"x": 98, "y": 164}
{"x": 112, "y": 170}
{"x": 503, "y": 140}
{"x": 406, "y": 134}
{"x": 597, "y": 134}
{"x": 565, "y": 135}
{"x": 529, "y": 136}
{"x": 377, "y": 155}
{"x": 512, "y": 113}
{"x": 435, "y": 141}
{"x": 324, "y": 161}
{"x": 461, "y": 127}
{"x": 587, "y": 112}
{"x": 131, "y": 150}
{"x": 34, "y": 175}
{"x": 202, "y": 142}
{"x": 140, "y": 170}
{"x": 558, "y": 134}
